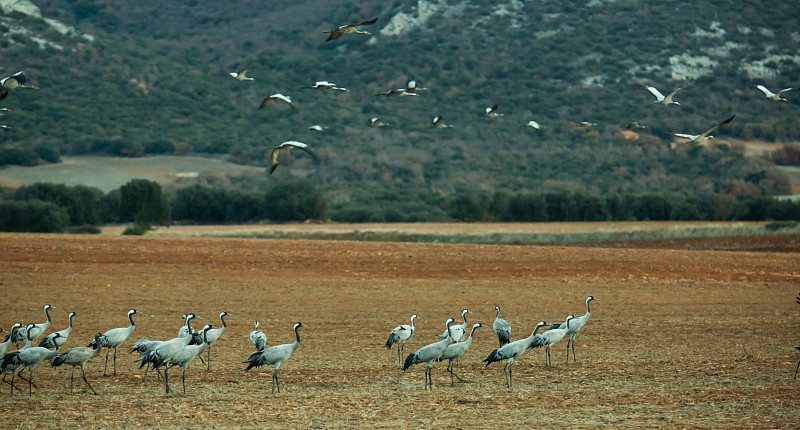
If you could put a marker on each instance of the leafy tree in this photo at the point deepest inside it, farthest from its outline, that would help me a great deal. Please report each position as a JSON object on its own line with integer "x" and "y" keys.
{"x": 295, "y": 200}
{"x": 33, "y": 216}
{"x": 80, "y": 202}
{"x": 144, "y": 200}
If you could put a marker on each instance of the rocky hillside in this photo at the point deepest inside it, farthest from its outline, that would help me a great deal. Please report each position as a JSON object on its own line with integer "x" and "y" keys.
{"x": 130, "y": 78}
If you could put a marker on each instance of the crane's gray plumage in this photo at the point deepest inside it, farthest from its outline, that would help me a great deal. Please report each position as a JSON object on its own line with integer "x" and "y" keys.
{"x": 258, "y": 338}
{"x": 36, "y": 330}
{"x": 660, "y": 99}
{"x": 17, "y": 80}
{"x": 501, "y": 328}
{"x": 457, "y": 332}
{"x": 454, "y": 351}
{"x": 285, "y": 146}
{"x": 165, "y": 353}
{"x": 274, "y": 355}
{"x": 348, "y": 29}
{"x": 575, "y": 325}
{"x": 429, "y": 354}
{"x": 512, "y": 351}
{"x": 212, "y": 335}
{"x": 700, "y": 138}
{"x": 113, "y": 338}
{"x": 399, "y": 335}
{"x": 78, "y": 356}
{"x": 769, "y": 95}
{"x": 50, "y": 339}
{"x": 9, "y": 339}
{"x": 549, "y": 338}
{"x": 27, "y": 357}
{"x": 189, "y": 353}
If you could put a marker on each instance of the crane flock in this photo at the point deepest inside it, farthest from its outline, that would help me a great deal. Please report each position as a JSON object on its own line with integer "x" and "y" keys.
{"x": 180, "y": 351}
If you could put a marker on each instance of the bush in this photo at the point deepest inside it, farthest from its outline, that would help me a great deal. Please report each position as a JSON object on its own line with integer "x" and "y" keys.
{"x": 48, "y": 152}
{"x": 136, "y": 230}
{"x": 296, "y": 200}
{"x": 82, "y": 229}
{"x": 18, "y": 157}
{"x": 33, "y": 216}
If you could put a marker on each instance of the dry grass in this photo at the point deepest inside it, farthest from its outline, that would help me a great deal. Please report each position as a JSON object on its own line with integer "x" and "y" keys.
{"x": 677, "y": 339}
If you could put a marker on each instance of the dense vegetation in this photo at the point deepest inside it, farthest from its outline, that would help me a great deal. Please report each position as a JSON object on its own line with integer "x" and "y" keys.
{"x": 78, "y": 209}
{"x": 155, "y": 81}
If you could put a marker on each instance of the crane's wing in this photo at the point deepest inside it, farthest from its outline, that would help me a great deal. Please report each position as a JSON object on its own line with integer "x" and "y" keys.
{"x": 365, "y": 23}
{"x": 784, "y": 90}
{"x": 717, "y": 126}
{"x": 687, "y": 136}
{"x": 655, "y": 92}
{"x": 767, "y": 93}
{"x": 20, "y": 77}
{"x": 3, "y": 94}
{"x": 672, "y": 93}
{"x": 274, "y": 159}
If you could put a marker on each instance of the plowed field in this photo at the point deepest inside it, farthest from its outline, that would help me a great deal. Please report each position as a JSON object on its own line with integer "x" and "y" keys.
{"x": 678, "y": 338}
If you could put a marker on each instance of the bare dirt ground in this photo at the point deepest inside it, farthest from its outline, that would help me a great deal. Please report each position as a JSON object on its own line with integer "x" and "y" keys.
{"x": 678, "y": 338}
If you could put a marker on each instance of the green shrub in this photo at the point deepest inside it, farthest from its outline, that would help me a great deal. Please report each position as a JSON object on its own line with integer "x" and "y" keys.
{"x": 33, "y": 216}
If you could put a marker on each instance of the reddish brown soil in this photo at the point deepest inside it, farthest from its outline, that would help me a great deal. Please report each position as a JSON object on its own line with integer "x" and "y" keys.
{"x": 678, "y": 338}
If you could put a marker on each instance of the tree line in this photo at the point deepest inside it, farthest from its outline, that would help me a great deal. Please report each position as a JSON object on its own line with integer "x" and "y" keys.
{"x": 52, "y": 208}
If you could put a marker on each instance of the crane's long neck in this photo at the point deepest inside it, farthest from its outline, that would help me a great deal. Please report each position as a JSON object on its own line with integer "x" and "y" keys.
{"x": 47, "y": 313}
{"x": 222, "y": 318}
{"x": 296, "y": 336}
{"x": 588, "y": 311}
{"x": 464, "y": 315}
{"x": 412, "y": 325}
{"x": 130, "y": 318}
{"x": 497, "y": 315}
{"x": 70, "y": 321}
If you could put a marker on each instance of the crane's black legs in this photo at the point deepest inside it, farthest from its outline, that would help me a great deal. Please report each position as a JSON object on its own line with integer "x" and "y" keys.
{"x": 115, "y": 361}
{"x": 9, "y": 383}
{"x": 83, "y": 372}
{"x": 166, "y": 379}
{"x": 183, "y": 380}
{"x": 105, "y": 368}
{"x": 71, "y": 375}
{"x": 208, "y": 357}
{"x": 452, "y": 374}
{"x": 573, "y": 351}
{"x": 275, "y": 381}
{"x": 30, "y": 383}
{"x": 795, "y": 370}
{"x": 548, "y": 362}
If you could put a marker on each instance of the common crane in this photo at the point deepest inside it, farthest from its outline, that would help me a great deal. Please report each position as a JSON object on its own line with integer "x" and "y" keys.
{"x": 212, "y": 335}
{"x": 113, "y": 338}
{"x": 455, "y": 350}
{"x": 189, "y": 353}
{"x": 78, "y": 356}
{"x": 28, "y": 357}
{"x": 36, "y": 330}
{"x": 411, "y": 86}
{"x": 492, "y": 112}
{"x": 549, "y": 338}
{"x": 575, "y": 325}
{"x": 400, "y": 92}
{"x": 165, "y": 353}
{"x": 534, "y": 124}
{"x": 457, "y": 332}
{"x": 275, "y": 98}
{"x": 769, "y": 95}
{"x": 438, "y": 122}
{"x": 241, "y": 75}
{"x": 660, "y": 99}
{"x": 501, "y": 328}
{"x": 186, "y": 329}
{"x": 285, "y": 146}
{"x": 399, "y": 335}
{"x": 258, "y": 338}
{"x": 274, "y": 355}
{"x": 323, "y": 86}
{"x": 700, "y": 138}
{"x": 512, "y": 351}
{"x": 9, "y": 339}
{"x": 17, "y": 80}
{"x": 348, "y": 29}
{"x": 50, "y": 339}
{"x": 377, "y": 122}
{"x": 429, "y": 354}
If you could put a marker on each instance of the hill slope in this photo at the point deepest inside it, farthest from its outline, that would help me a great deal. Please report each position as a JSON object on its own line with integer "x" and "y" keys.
{"x": 135, "y": 77}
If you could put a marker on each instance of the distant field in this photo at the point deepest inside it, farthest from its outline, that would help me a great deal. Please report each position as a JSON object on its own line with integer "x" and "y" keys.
{"x": 109, "y": 173}
{"x": 478, "y": 233}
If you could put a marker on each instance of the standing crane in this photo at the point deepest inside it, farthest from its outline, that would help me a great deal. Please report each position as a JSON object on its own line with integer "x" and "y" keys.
{"x": 457, "y": 332}
{"x": 575, "y": 326}
{"x": 512, "y": 351}
{"x": 399, "y": 335}
{"x": 258, "y": 338}
{"x": 429, "y": 354}
{"x": 36, "y": 329}
{"x": 49, "y": 341}
{"x": 456, "y": 350}
{"x": 501, "y": 328}
{"x": 28, "y": 357}
{"x": 9, "y": 339}
{"x": 274, "y": 355}
{"x": 212, "y": 335}
{"x": 78, "y": 356}
{"x": 189, "y": 353}
{"x": 550, "y": 337}
{"x": 165, "y": 353}
{"x": 113, "y": 338}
